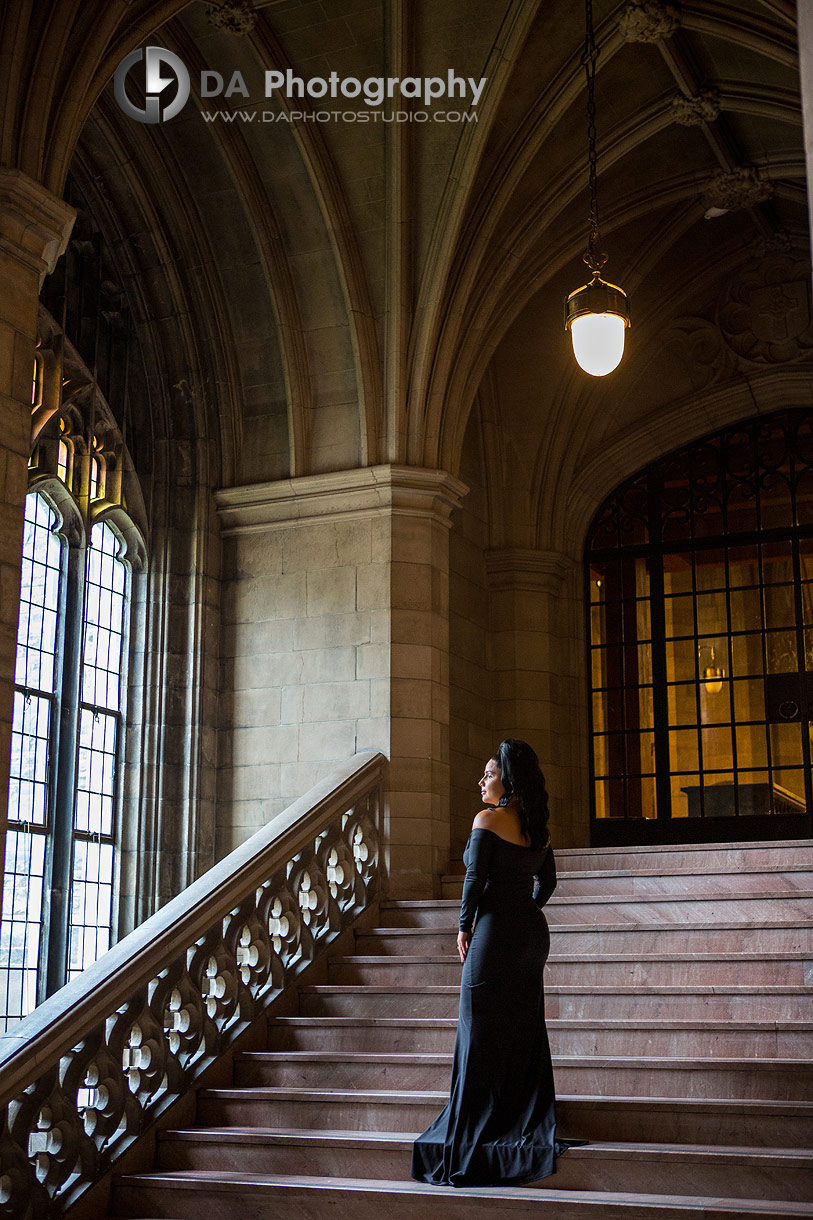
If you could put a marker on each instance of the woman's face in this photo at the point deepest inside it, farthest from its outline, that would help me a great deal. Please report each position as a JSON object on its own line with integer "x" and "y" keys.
{"x": 491, "y": 788}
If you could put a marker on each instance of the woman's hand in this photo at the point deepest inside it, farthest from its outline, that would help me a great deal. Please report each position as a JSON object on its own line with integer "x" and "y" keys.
{"x": 463, "y": 942}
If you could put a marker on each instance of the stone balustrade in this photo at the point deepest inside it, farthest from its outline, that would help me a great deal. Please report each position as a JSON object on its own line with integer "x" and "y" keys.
{"x": 86, "y": 1073}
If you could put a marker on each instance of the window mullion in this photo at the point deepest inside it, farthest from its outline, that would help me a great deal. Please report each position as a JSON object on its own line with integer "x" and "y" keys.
{"x": 62, "y": 836}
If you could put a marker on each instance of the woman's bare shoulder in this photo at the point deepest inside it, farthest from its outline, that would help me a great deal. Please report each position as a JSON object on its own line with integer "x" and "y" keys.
{"x": 486, "y": 819}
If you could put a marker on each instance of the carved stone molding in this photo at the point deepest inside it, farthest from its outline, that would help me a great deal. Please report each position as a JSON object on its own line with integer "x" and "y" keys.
{"x": 649, "y": 21}
{"x": 34, "y": 224}
{"x": 530, "y": 570}
{"x": 676, "y": 424}
{"x": 738, "y": 189}
{"x": 764, "y": 317}
{"x": 778, "y": 243}
{"x": 702, "y": 351}
{"x": 232, "y": 16}
{"x": 704, "y": 107}
{"x": 368, "y": 491}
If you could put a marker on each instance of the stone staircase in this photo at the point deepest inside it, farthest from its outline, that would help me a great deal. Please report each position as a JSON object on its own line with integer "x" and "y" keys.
{"x": 680, "y": 1012}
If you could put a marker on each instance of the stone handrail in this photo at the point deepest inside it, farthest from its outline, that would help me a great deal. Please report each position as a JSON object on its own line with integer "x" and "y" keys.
{"x": 86, "y": 1073}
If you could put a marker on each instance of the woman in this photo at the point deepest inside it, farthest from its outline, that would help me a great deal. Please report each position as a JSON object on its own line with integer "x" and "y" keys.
{"x": 500, "y": 1124}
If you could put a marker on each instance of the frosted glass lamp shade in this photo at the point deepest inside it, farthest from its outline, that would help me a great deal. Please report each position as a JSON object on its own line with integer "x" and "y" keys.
{"x": 598, "y": 342}
{"x": 597, "y": 315}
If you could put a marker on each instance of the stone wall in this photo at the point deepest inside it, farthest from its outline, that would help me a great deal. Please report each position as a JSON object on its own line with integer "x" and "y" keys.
{"x": 335, "y": 639}
{"x": 304, "y": 675}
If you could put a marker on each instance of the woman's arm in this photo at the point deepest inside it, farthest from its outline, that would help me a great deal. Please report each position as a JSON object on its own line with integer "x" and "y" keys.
{"x": 545, "y": 879}
{"x": 481, "y": 849}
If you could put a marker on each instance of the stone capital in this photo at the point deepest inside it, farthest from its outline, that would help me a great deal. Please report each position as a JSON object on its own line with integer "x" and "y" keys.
{"x": 34, "y": 224}
{"x": 531, "y": 570}
{"x": 370, "y": 491}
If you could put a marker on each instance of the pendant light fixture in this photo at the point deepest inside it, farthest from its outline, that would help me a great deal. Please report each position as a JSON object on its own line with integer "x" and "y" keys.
{"x": 597, "y": 314}
{"x": 713, "y": 675}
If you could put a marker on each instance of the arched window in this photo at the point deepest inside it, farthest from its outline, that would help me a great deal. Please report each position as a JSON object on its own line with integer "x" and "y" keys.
{"x": 83, "y": 552}
{"x": 700, "y": 574}
{"x": 67, "y": 742}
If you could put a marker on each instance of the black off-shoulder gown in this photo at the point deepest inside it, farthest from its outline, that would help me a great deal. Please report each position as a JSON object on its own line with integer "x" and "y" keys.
{"x": 499, "y": 1127}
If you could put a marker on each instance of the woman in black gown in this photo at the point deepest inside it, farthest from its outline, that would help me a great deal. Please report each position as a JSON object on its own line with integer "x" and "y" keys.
{"x": 499, "y": 1127}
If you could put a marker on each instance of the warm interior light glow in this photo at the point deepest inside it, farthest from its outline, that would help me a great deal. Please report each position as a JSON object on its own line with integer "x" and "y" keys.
{"x": 598, "y": 342}
{"x": 713, "y": 680}
{"x": 712, "y": 675}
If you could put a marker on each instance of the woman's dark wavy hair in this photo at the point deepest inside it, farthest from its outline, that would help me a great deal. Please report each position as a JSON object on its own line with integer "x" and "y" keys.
{"x": 522, "y": 779}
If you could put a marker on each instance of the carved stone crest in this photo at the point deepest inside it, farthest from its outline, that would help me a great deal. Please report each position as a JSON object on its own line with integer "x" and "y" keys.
{"x": 232, "y": 16}
{"x": 765, "y": 315}
{"x": 648, "y": 21}
{"x": 704, "y": 107}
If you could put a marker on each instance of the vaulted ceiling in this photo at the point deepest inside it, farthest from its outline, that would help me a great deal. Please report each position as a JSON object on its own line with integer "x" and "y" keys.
{"x": 335, "y": 293}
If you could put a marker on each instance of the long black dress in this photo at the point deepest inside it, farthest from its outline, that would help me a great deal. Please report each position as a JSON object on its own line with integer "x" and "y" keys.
{"x": 500, "y": 1124}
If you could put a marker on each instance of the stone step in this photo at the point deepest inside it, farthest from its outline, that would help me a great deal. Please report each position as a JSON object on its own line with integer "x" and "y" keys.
{"x": 709, "y": 1002}
{"x": 783, "y": 1124}
{"x": 789, "y": 969}
{"x": 767, "y": 1039}
{"x": 699, "y": 857}
{"x": 627, "y": 1076}
{"x": 201, "y": 1195}
{"x": 726, "y": 1002}
{"x": 422, "y": 1034}
{"x": 763, "y": 936}
{"x": 745, "y": 908}
{"x": 645, "y": 882}
{"x": 665, "y": 1168}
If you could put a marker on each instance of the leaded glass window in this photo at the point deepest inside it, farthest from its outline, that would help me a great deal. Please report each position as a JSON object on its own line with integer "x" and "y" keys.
{"x": 700, "y": 576}
{"x": 64, "y": 786}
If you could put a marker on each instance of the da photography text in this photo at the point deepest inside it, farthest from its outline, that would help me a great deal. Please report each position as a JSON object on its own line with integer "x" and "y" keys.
{"x": 163, "y": 68}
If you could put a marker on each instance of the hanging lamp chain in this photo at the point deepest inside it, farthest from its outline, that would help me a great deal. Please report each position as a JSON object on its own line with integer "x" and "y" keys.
{"x": 594, "y": 256}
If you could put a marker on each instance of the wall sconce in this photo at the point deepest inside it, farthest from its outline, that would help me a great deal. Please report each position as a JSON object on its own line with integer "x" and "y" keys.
{"x": 713, "y": 675}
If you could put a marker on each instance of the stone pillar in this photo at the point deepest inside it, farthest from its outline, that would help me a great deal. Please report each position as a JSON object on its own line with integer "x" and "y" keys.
{"x": 34, "y": 230}
{"x": 537, "y": 663}
{"x": 419, "y": 782}
{"x": 805, "y": 23}
{"x": 335, "y": 639}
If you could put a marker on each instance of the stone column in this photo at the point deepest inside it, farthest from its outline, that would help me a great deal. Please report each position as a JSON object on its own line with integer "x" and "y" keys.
{"x": 34, "y": 230}
{"x": 419, "y": 782}
{"x": 805, "y": 23}
{"x": 335, "y": 639}
{"x": 537, "y": 661}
